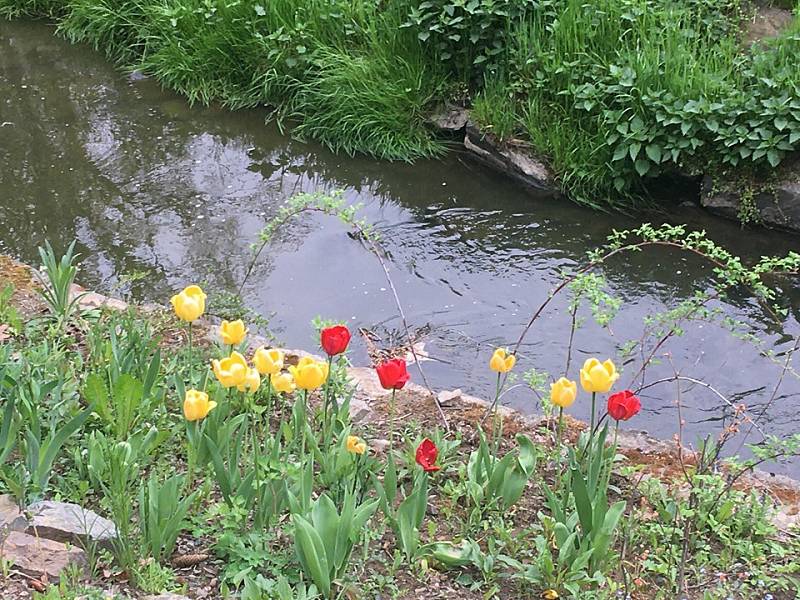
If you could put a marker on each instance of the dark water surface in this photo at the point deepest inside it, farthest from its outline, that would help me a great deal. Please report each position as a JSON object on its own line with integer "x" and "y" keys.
{"x": 148, "y": 184}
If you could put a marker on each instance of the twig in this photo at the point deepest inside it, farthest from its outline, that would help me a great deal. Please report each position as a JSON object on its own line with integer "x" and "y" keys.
{"x": 678, "y": 377}
{"x": 774, "y": 395}
{"x": 376, "y": 252}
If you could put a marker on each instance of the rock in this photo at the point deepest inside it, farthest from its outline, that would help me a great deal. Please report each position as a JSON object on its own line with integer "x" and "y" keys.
{"x": 777, "y": 204}
{"x": 88, "y": 300}
{"x": 449, "y": 118}
{"x": 449, "y": 396}
{"x": 39, "y": 557}
{"x": 379, "y": 446}
{"x": 167, "y": 596}
{"x": 64, "y": 522}
{"x": 360, "y": 411}
{"x": 11, "y": 518}
{"x": 514, "y": 159}
{"x": 768, "y": 22}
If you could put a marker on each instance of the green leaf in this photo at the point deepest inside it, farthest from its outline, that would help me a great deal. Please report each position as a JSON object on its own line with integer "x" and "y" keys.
{"x": 311, "y": 552}
{"x": 325, "y": 519}
{"x": 773, "y": 157}
{"x": 653, "y": 152}
{"x": 582, "y": 502}
{"x": 95, "y": 392}
{"x": 642, "y": 167}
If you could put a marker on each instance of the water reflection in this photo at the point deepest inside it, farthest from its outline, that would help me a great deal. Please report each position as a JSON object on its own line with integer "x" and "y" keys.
{"x": 148, "y": 184}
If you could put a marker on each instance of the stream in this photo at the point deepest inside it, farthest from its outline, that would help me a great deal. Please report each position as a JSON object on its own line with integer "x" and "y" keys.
{"x": 176, "y": 194}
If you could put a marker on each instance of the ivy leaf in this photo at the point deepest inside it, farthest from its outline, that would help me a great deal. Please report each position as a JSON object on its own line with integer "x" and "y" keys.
{"x": 619, "y": 153}
{"x": 774, "y": 157}
{"x": 653, "y": 152}
{"x": 781, "y": 123}
{"x": 642, "y": 167}
{"x": 633, "y": 149}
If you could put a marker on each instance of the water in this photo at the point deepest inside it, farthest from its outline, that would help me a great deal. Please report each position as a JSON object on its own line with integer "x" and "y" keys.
{"x": 149, "y": 185}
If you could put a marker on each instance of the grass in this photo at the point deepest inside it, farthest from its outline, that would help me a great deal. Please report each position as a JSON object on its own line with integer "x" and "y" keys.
{"x": 567, "y": 76}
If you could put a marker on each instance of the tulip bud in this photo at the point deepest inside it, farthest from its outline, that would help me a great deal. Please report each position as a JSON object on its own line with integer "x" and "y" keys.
{"x": 190, "y": 304}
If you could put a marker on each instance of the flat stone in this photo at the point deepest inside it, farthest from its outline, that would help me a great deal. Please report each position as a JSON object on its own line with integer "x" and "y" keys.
{"x": 514, "y": 159}
{"x": 11, "y": 517}
{"x": 88, "y": 299}
{"x": 39, "y": 557}
{"x": 449, "y": 118}
{"x": 64, "y": 522}
{"x": 446, "y": 397}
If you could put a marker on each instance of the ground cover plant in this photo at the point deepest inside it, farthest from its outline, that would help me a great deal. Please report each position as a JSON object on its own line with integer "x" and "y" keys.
{"x": 233, "y": 469}
{"x": 609, "y": 93}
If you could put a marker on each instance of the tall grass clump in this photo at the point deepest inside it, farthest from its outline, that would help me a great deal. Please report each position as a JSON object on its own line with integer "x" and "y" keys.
{"x": 373, "y": 102}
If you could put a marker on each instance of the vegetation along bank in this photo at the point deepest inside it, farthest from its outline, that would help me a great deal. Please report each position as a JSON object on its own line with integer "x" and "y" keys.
{"x": 595, "y": 99}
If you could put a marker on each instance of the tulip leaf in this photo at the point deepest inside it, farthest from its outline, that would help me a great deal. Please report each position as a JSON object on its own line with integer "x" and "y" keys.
{"x": 527, "y": 454}
{"x": 311, "y": 552}
{"x": 582, "y": 502}
{"x": 325, "y": 519}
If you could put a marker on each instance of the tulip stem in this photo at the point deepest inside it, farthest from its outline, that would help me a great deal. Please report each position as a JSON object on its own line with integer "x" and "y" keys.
{"x": 327, "y": 405}
{"x": 256, "y": 452}
{"x": 305, "y": 423}
{"x": 391, "y": 421}
{"x": 191, "y": 350}
{"x": 191, "y": 450}
{"x": 498, "y": 421}
{"x": 559, "y": 433}
{"x": 590, "y": 442}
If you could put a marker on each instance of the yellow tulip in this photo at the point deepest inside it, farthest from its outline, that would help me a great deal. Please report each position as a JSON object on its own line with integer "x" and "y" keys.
{"x": 563, "y": 392}
{"x": 190, "y": 304}
{"x": 309, "y": 374}
{"x": 252, "y": 382}
{"x": 231, "y": 371}
{"x": 355, "y": 445}
{"x": 501, "y": 362}
{"x": 268, "y": 362}
{"x": 282, "y": 382}
{"x": 232, "y": 332}
{"x": 196, "y": 405}
{"x": 597, "y": 376}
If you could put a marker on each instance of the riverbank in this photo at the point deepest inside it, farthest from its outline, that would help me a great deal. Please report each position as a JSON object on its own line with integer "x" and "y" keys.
{"x": 608, "y": 100}
{"x": 470, "y": 546}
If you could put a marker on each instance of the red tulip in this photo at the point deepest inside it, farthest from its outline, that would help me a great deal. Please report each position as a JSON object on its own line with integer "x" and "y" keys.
{"x": 427, "y": 452}
{"x": 393, "y": 374}
{"x": 334, "y": 339}
{"x": 623, "y": 405}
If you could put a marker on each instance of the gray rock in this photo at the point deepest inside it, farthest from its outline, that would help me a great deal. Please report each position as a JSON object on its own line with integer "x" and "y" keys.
{"x": 768, "y": 22}
{"x": 776, "y": 205}
{"x": 514, "y": 159}
{"x": 449, "y": 118}
{"x": 64, "y": 522}
{"x": 40, "y": 557}
{"x": 11, "y": 518}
